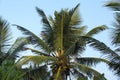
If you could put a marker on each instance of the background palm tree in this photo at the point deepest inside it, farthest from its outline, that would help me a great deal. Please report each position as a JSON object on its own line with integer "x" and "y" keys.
{"x": 8, "y": 53}
{"x": 115, "y": 6}
{"x": 61, "y": 44}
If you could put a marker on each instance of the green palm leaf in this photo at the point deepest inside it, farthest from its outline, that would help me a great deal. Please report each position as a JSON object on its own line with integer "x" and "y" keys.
{"x": 35, "y": 59}
{"x": 100, "y": 46}
{"x": 87, "y": 70}
{"x": 96, "y": 30}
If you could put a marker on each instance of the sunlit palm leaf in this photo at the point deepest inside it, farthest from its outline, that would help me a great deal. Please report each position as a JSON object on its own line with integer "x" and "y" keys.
{"x": 36, "y": 59}
{"x": 96, "y": 30}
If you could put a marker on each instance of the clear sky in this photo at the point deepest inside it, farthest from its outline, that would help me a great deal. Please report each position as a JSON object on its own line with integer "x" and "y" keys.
{"x": 93, "y": 13}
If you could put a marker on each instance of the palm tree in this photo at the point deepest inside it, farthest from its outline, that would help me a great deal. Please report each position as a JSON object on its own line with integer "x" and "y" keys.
{"x": 61, "y": 44}
{"x": 6, "y": 49}
{"x": 115, "y": 6}
{"x": 8, "y": 52}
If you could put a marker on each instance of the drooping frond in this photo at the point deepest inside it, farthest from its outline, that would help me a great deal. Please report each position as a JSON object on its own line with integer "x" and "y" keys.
{"x": 91, "y": 61}
{"x": 100, "y": 46}
{"x": 96, "y": 30}
{"x": 5, "y": 36}
{"x": 34, "y": 39}
{"x": 35, "y": 59}
{"x": 86, "y": 70}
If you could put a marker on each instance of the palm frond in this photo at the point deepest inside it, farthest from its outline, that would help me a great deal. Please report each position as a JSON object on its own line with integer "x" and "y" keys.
{"x": 47, "y": 33}
{"x": 34, "y": 39}
{"x": 58, "y": 29}
{"x": 35, "y": 59}
{"x": 75, "y": 17}
{"x": 5, "y": 35}
{"x": 86, "y": 70}
{"x": 96, "y": 30}
{"x": 115, "y": 65}
{"x": 91, "y": 61}
{"x": 100, "y": 46}
{"x": 116, "y": 31}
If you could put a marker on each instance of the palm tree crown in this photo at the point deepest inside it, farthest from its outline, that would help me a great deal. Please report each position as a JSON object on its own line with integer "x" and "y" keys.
{"x": 61, "y": 41}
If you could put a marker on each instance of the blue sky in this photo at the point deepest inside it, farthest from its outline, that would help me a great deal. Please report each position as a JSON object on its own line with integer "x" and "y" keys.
{"x": 93, "y": 13}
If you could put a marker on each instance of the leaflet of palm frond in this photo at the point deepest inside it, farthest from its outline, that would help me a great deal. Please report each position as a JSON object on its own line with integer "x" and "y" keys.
{"x": 100, "y": 46}
{"x": 91, "y": 61}
{"x": 86, "y": 70}
{"x": 96, "y": 30}
{"x": 35, "y": 39}
{"x": 113, "y": 5}
{"x": 17, "y": 46}
{"x": 5, "y": 35}
{"x": 35, "y": 60}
